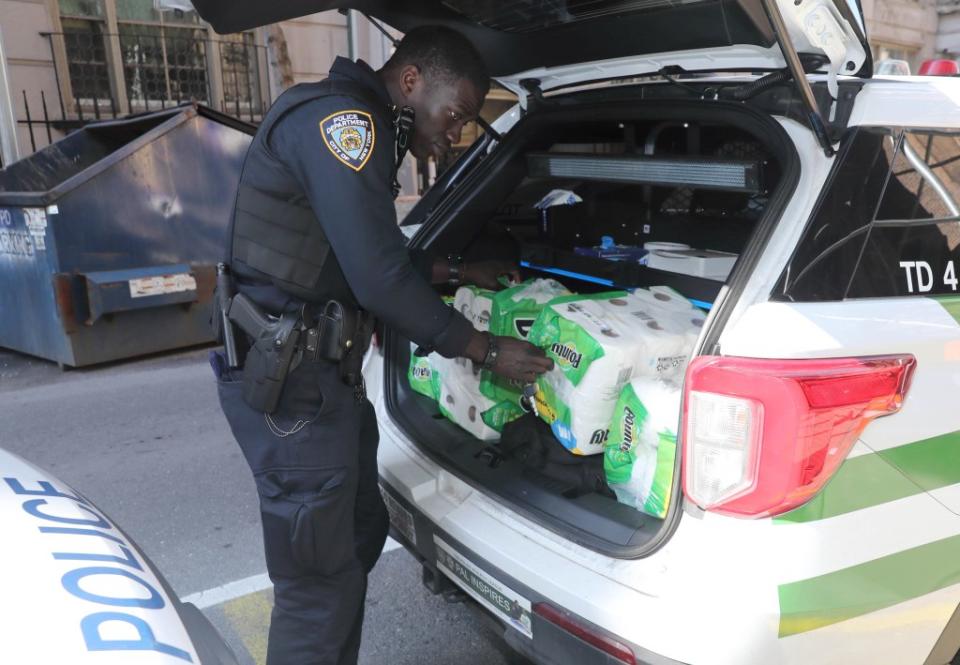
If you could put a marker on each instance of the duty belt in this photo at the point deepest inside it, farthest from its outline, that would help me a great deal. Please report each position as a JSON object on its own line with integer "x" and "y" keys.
{"x": 337, "y": 330}
{"x": 341, "y": 335}
{"x": 336, "y": 333}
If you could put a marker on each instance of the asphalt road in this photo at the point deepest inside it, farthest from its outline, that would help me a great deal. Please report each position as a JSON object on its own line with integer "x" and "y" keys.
{"x": 145, "y": 441}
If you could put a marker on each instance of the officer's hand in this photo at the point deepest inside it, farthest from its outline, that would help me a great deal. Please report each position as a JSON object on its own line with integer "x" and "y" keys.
{"x": 520, "y": 360}
{"x": 486, "y": 274}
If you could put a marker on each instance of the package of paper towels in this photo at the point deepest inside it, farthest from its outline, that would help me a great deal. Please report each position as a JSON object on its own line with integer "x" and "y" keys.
{"x": 670, "y": 325}
{"x": 454, "y": 383}
{"x": 601, "y": 342}
{"x": 422, "y": 375}
{"x": 512, "y": 314}
{"x": 475, "y": 304}
{"x": 514, "y": 310}
{"x": 640, "y": 455}
{"x": 460, "y": 400}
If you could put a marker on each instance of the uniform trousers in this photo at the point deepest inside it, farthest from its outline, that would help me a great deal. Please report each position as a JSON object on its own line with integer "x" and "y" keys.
{"x": 314, "y": 461}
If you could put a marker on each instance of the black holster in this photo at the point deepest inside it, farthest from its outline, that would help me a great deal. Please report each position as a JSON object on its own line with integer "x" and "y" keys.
{"x": 341, "y": 335}
{"x": 265, "y": 369}
{"x": 271, "y": 354}
{"x": 336, "y": 333}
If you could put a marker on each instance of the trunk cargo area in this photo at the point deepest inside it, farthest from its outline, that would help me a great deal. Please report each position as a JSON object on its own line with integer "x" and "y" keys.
{"x": 708, "y": 176}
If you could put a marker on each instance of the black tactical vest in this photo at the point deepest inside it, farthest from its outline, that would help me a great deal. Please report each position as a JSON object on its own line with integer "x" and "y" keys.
{"x": 276, "y": 237}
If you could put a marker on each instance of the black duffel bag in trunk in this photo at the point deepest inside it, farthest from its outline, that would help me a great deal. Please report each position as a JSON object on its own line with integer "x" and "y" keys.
{"x": 530, "y": 440}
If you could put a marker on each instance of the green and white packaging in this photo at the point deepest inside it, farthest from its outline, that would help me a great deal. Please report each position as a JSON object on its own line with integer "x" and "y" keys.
{"x": 512, "y": 314}
{"x": 515, "y": 309}
{"x": 591, "y": 352}
{"x": 640, "y": 455}
{"x": 501, "y": 413}
{"x": 454, "y": 383}
{"x": 475, "y": 304}
{"x": 460, "y": 401}
{"x": 422, "y": 375}
{"x": 598, "y": 344}
{"x": 498, "y": 388}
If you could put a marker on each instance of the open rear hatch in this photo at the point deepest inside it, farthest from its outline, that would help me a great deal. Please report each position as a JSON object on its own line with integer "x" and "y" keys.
{"x": 531, "y": 40}
{"x": 516, "y": 37}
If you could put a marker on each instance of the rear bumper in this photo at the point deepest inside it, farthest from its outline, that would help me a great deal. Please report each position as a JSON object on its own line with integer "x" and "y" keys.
{"x": 494, "y": 592}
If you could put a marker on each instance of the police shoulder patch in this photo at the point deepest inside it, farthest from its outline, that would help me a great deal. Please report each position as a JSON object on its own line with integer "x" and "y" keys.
{"x": 350, "y": 136}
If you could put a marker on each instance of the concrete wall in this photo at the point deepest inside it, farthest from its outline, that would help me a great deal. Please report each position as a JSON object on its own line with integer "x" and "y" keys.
{"x": 906, "y": 25}
{"x": 313, "y": 42}
{"x": 30, "y": 66}
{"x": 948, "y": 38}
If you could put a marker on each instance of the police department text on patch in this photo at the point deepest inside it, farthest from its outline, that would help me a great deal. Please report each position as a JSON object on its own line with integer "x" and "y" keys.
{"x": 349, "y": 135}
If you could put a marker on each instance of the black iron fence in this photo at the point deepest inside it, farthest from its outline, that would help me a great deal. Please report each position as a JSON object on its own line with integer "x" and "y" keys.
{"x": 144, "y": 68}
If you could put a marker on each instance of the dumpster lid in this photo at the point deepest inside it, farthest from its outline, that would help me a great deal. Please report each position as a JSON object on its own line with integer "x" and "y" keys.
{"x": 65, "y": 164}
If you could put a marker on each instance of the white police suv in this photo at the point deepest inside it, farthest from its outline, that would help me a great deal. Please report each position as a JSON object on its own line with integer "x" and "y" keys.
{"x": 813, "y": 515}
{"x": 77, "y": 590}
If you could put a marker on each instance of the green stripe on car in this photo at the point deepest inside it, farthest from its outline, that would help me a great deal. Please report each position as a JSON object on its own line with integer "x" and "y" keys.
{"x": 888, "y": 475}
{"x": 852, "y": 592}
{"x": 952, "y": 305}
{"x": 859, "y": 483}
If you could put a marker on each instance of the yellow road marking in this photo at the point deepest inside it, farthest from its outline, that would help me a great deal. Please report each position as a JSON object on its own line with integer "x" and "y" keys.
{"x": 250, "y": 617}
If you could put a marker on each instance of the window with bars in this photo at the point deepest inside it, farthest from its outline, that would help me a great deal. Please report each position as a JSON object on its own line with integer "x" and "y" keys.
{"x": 163, "y": 54}
{"x": 155, "y": 59}
{"x": 84, "y": 39}
{"x": 241, "y": 85}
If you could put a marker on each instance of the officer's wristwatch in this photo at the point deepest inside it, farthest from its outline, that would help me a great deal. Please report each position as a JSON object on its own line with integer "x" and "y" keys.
{"x": 493, "y": 350}
{"x": 455, "y": 268}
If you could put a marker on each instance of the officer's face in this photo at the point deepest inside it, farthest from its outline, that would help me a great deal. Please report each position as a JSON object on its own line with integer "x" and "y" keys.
{"x": 442, "y": 110}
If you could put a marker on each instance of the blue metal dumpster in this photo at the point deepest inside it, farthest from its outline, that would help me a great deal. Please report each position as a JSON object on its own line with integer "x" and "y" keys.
{"x": 109, "y": 238}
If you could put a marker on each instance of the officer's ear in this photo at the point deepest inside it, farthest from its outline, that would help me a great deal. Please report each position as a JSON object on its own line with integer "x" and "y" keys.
{"x": 411, "y": 80}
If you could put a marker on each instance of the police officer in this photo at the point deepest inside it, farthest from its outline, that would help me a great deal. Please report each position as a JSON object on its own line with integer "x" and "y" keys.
{"x": 315, "y": 226}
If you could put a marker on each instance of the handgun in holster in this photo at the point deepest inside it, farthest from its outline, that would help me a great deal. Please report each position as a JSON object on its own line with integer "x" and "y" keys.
{"x": 274, "y": 344}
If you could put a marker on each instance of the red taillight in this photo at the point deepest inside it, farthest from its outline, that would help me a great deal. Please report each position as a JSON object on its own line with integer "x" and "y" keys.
{"x": 761, "y": 437}
{"x": 939, "y": 67}
{"x": 619, "y": 652}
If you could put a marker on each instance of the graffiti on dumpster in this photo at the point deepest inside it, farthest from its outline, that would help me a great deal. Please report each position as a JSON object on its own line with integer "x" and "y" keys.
{"x": 16, "y": 243}
{"x": 36, "y": 219}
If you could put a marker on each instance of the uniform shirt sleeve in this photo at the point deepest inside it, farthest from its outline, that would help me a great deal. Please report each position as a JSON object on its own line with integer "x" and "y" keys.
{"x": 423, "y": 263}
{"x": 354, "y": 204}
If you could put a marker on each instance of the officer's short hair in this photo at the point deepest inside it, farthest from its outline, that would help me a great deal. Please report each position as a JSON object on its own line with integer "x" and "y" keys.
{"x": 442, "y": 54}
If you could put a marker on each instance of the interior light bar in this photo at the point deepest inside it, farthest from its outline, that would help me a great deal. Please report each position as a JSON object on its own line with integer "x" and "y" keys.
{"x": 719, "y": 174}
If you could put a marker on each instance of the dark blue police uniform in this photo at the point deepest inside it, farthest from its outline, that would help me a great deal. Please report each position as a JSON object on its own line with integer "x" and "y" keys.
{"x": 315, "y": 221}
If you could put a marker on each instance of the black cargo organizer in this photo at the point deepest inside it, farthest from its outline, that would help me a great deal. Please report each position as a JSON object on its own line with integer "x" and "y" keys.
{"x": 615, "y": 274}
